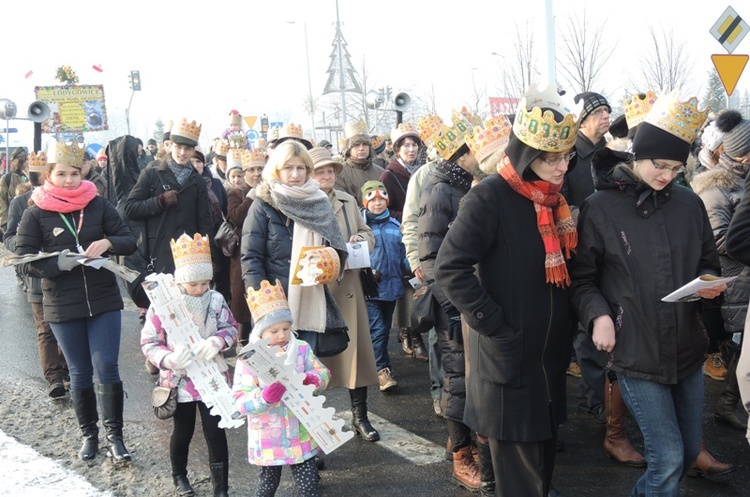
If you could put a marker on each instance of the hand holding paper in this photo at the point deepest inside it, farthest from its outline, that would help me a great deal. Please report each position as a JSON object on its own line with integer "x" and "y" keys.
{"x": 696, "y": 289}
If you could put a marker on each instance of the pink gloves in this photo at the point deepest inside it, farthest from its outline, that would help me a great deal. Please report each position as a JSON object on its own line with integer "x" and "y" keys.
{"x": 311, "y": 379}
{"x": 208, "y": 348}
{"x": 273, "y": 393}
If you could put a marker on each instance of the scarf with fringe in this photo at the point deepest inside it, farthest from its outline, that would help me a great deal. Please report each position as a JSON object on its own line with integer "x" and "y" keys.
{"x": 553, "y": 220}
{"x": 53, "y": 198}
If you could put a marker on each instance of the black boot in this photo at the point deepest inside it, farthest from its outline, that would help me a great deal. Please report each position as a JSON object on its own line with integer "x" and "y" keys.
{"x": 726, "y": 411}
{"x": 84, "y": 404}
{"x": 182, "y": 486}
{"x": 112, "y": 403}
{"x": 220, "y": 478}
{"x": 486, "y": 471}
{"x": 418, "y": 348}
{"x": 360, "y": 423}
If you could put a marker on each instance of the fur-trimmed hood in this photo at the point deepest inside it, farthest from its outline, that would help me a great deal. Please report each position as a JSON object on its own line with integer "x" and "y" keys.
{"x": 727, "y": 175}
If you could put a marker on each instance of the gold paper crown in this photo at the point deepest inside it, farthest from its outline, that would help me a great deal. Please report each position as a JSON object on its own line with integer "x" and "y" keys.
{"x": 234, "y": 157}
{"x": 354, "y": 128}
{"x": 487, "y": 139}
{"x": 267, "y": 299}
{"x": 190, "y": 130}
{"x": 539, "y": 130}
{"x": 451, "y": 139}
{"x": 636, "y": 108}
{"x": 187, "y": 251}
{"x": 376, "y": 141}
{"x": 38, "y": 163}
{"x": 429, "y": 127}
{"x": 291, "y": 130}
{"x": 681, "y": 119}
{"x": 255, "y": 157}
{"x": 62, "y": 153}
{"x": 402, "y": 130}
{"x": 466, "y": 115}
{"x": 221, "y": 148}
{"x": 237, "y": 140}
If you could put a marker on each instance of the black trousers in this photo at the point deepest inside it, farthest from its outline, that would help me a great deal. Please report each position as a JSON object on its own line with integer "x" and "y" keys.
{"x": 522, "y": 468}
{"x": 182, "y": 434}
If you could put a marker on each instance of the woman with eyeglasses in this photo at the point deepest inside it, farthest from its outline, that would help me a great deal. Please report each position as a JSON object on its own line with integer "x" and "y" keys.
{"x": 640, "y": 237}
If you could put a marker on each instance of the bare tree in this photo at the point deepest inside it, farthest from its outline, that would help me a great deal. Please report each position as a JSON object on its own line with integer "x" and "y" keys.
{"x": 583, "y": 54}
{"x": 665, "y": 67}
{"x": 519, "y": 66}
{"x": 479, "y": 103}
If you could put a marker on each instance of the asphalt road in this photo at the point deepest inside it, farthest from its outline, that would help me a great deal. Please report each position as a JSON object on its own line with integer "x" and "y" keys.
{"x": 371, "y": 469}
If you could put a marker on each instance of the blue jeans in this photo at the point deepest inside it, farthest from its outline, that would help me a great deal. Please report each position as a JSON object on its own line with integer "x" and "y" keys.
{"x": 380, "y": 314}
{"x": 435, "y": 364}
{"x": 669, "y": 417}
{"x": 88, "y": 344}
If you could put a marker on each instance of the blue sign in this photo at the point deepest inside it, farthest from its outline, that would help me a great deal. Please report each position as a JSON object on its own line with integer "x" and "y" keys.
{"x": 277, "y": 124}
{"x": 8, "y": 130}
{"x": 2, "y": 139}
{"x": 252, "y": 135}
{"x": 93, "y": 149}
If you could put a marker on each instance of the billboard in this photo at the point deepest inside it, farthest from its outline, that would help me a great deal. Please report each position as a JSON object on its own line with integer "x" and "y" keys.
{"x": 73, "y": 108}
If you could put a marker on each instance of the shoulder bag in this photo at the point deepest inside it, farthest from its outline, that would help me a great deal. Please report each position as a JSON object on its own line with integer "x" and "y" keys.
{"x": 164, "y": 400}
{"x": 226, "y": 238}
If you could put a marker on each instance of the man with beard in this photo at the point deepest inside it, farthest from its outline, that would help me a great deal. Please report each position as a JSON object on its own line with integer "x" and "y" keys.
{"x": 358, "y": 165}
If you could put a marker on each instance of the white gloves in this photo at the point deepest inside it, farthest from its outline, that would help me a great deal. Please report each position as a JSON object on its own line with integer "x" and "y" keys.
{"x": 66, "y": 261}
{"x": 179, "y": 358}
{"x": 208, "y": 348}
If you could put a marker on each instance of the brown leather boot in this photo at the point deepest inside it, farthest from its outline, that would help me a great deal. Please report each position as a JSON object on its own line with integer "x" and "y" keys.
{"x": 466, "y": 469}
{"x": 405, "y": 340}
{"x": 708, "y": 465}
{"x": 417, "y": 347}
{"x": 616, "y": 443}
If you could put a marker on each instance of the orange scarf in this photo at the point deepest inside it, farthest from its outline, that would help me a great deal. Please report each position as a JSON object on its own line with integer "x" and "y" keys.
{"x": 555, "y": 225}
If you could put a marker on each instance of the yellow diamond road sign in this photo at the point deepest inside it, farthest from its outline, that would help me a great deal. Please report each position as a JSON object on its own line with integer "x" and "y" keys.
{"x": 730, "y": 29}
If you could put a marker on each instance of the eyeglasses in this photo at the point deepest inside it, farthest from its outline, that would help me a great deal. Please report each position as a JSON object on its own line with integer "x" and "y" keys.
{"x": 673, "y": 170}
{"x": 558, "y": 159}
{"x": 598, "y": 112}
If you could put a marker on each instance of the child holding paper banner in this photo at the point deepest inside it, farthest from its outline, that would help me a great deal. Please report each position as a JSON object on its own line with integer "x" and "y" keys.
{"x": 275, "y": 437}
{"x": 209, "y": 310}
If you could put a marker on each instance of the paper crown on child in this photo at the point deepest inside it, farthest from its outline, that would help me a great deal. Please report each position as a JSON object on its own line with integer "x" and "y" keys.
{"x": 38, "y": 163}
{"x": 268, "y": 306}
{"x": 237, "y": 140}
{"x": 372, "y": 189}
{"x": 192, "y": 258}
{"x": 637, "y": 107}
{"x": 536, "y": 124}
{"x": 488, "y": 139}
{"x": 252, "y": 158}
{"x": 60, "y": 152}
{"x": 186, "y": 133}
{"x": 429, "y": 127}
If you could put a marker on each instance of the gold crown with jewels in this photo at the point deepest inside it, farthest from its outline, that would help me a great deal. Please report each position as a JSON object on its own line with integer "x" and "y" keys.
{"x": 637, "y": 107}
{"x": 486, "y": 140}
{"x": 237, "y": 140}
{"x": 255, "y": 157}
{"x": 466, "y": 115}
{"x": 681, "y": 119}
{"x": 186, "y": 250}
{"x": 453, "y": 138}
{"x": 429, "y": 127}
{"x": 267, "y": 299}
{"x": 190, "y": 130}
{"x": 234, "y": 157}
{"x": 291, "y": 130}
{"x": 221, "y": 148}
{"x": 538, "y": 128}
{"x": 64, "y": 153}
{"x": 38, "y": 163}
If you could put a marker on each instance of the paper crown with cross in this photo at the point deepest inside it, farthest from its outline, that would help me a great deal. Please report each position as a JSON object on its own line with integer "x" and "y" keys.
{"x": 38, "y": 163}
{"x": 186, "y": 133}
{"x": 253, "y": 158}
{"x": 681, "y": 119}
{"x": 536, "y": 125}
{"x": 489, "y": 138}
{"x": 192, "y": 258}
{"x": 429, "y": 127}
{"x": 61, "y": 152}
{"x": 637, "y": 107}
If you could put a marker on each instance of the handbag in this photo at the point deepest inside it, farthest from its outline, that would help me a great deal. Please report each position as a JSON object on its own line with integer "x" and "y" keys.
{"x": 330, "y": 343}
{"x": 423, "y": 311}
{"x": 226, "y": 238}
{"x": 370, "y": 285}
{"x": 164, "y": 400}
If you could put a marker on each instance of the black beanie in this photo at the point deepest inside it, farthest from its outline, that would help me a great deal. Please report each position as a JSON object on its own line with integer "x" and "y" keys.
{"x": 591, "y": 101}
{"x": 619, "y": 127}
{"x": 651, "y": 142}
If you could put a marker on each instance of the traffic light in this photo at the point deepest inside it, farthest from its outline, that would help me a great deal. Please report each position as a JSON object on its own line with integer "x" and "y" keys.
{"x": 135, "y": 80}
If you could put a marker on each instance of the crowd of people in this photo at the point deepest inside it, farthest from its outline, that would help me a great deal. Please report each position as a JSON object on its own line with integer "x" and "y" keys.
{"x": 526, "y": 248}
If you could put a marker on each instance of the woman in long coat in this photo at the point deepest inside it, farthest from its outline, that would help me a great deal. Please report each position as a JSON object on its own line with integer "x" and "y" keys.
{"x": 355, "y": 367}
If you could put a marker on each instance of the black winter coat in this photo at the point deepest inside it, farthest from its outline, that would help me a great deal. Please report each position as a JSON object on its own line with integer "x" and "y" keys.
{"x": 191, "y": 215}
{"x": 266, "y": 246}
{"x": 15, "y": 212}
{"x": 579, "y": 183}
{"x": 491, "y": 267}
{"x": 83, "y": 291}
{"x": 635, "y": 246}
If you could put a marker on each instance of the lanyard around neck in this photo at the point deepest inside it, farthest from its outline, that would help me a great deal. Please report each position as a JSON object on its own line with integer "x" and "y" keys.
{"x": 70, "y": 226}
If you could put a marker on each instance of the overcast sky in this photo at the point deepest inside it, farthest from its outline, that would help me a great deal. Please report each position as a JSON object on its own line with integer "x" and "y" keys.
{"x": 201, "y": 62}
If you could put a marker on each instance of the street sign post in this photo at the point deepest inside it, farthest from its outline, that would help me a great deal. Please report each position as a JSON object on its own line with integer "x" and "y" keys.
{"x": 8, "y": 130}
{"x": 729, "y": 67}
{"x": 729, "y": 30}
{"x": 252, "y": 135}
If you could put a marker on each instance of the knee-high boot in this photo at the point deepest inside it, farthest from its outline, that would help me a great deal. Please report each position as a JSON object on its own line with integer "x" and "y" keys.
{"x": 360, "y": 423}
{"x": 726, "y": 410}
{"x": 84, "y": 404}
{"x": 220, "y": 478}
{"x": 616, "y": 443}
{"x": 111, "y": 399}
{"x": 486, "y": 471}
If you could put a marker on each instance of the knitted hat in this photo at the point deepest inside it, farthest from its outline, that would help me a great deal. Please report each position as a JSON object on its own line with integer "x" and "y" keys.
{"x": 372, "y": 189}
{"x": 591, "y": 101}
{"x": 712, "y": 138}
{"x": 235, "y": 118}
{"x": 736, "y": 133}
{"x": 619, "y": 127}
{"x": 18, "y": 152}
{"x": 192, "y": 258}
{"x": 324, "y": 143}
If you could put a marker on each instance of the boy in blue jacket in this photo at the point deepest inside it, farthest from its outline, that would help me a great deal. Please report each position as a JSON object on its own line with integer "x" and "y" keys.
{"x": 388, "y": 260}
